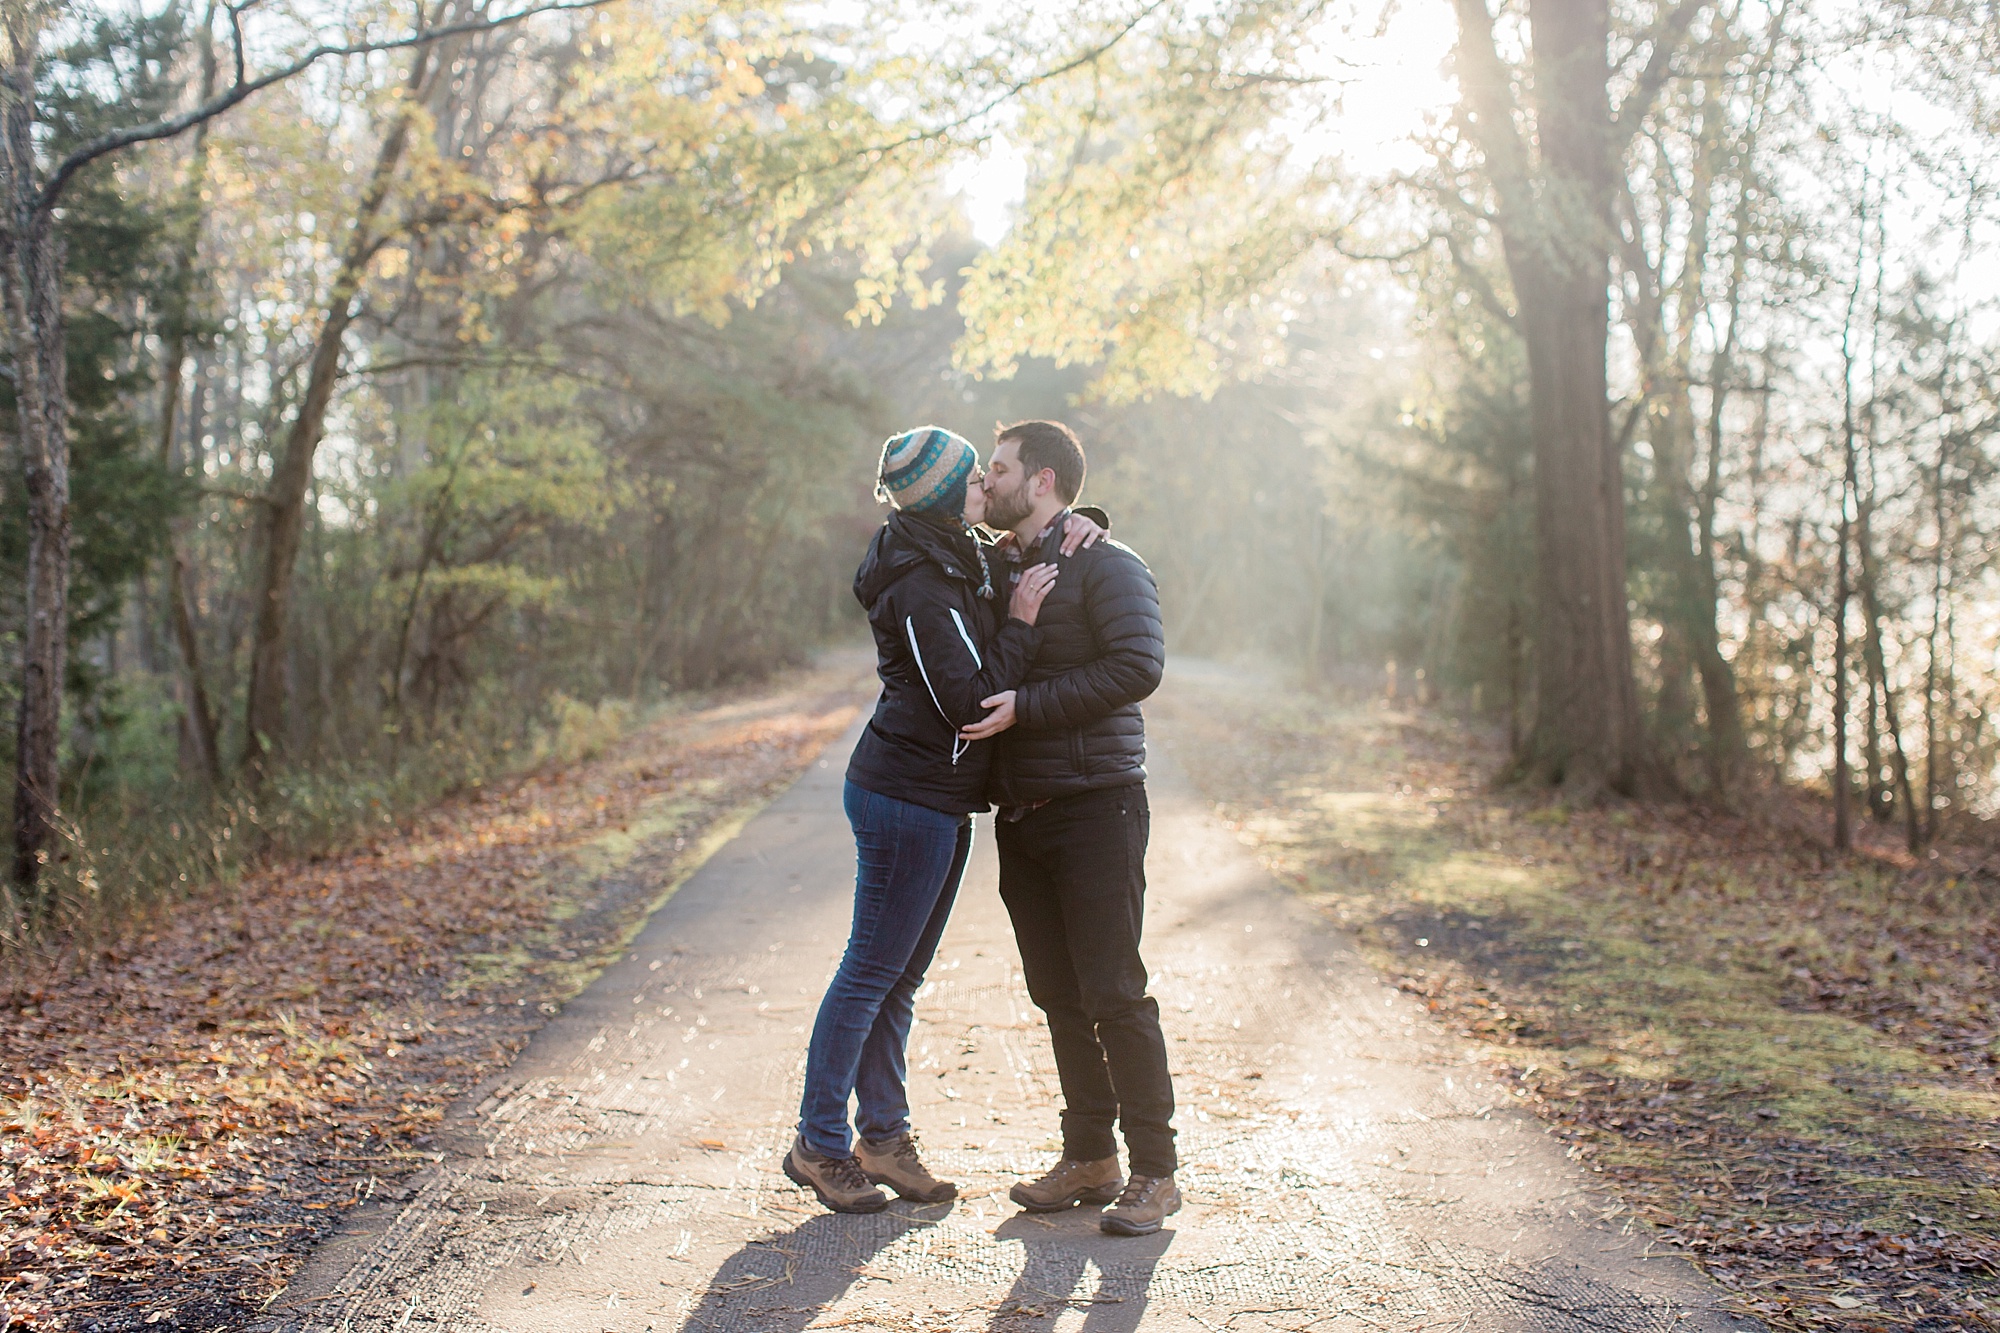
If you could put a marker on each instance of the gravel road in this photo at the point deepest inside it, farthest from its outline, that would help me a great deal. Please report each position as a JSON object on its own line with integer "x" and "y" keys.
{"x": 1346, "y": 1165}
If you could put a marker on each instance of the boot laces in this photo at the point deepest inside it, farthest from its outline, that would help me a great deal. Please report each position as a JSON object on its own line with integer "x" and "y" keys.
{"x": 1061, "y": 1171}
{"x": 847, "y": 1173}
{"x": 1137, "y": 1190}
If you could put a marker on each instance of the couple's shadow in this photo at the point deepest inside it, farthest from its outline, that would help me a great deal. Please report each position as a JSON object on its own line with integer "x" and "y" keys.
{"x": 1059, "y": 1249}
{"x": 782, "y": 1283}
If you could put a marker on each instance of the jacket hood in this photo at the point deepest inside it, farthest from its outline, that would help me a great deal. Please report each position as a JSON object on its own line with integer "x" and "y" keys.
{"x": 906, "y": 541}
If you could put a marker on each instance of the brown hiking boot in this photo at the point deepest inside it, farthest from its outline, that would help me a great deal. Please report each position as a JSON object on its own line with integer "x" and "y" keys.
{"x": 1142, "y": 1207}
{"x": 894, "y": 1162}
{"x": 1070, "y": 1182}
{"x": 838, "y": 1181}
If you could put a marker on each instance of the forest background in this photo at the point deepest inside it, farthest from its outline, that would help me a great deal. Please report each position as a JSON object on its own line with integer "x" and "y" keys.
{"x": 1627, "y": 379}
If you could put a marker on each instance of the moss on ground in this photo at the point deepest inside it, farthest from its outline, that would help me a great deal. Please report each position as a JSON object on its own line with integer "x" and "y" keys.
{"x": 1786, "y": 1064}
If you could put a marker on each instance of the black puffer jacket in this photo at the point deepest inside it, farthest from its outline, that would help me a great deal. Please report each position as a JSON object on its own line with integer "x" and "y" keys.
{"x": 940, "y": 648}
{"x": 1078, "y": 726}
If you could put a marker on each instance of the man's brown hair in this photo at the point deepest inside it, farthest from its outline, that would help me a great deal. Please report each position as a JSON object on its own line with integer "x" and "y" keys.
{"x": 1051, "y": 445}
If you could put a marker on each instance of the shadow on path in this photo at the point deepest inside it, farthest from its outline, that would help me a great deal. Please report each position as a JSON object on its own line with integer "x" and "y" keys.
{"x": 1060, "y": 1248}
{"x": 782, "y": 1283}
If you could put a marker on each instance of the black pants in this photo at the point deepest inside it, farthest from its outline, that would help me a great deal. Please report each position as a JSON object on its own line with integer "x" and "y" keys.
{"x": 1073, "y": 876}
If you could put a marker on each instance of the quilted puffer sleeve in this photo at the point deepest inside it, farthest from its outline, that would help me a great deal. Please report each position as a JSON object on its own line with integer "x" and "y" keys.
{"x": 1122, "y": 606}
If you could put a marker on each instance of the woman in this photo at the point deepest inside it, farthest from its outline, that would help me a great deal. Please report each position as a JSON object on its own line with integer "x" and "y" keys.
{"x": 942, "y": 644}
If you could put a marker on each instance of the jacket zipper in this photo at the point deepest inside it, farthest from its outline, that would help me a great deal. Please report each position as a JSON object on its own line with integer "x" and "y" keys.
{"x": 958, "y": 745}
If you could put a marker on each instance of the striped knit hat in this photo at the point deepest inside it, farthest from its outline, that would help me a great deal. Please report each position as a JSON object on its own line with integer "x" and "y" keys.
{"x": 925, "y": 471}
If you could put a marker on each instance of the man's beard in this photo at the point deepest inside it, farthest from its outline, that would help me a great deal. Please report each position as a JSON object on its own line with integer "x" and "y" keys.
{"x": 1006, "y": 508}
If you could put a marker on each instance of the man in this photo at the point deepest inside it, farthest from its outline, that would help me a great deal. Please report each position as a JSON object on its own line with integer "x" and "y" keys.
{"x": 1069, "y": 777}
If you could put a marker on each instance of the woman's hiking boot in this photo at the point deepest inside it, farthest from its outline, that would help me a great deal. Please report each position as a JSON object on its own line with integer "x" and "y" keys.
{"x": 894, "y": 1162}
{"x": 1142, "y": 1207}
{"x": 1070, "y": 1182}
{"x": 839, "y": 1181}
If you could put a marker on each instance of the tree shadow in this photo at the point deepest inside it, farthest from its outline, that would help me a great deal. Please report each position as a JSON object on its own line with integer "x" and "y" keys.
{"x": 782, "y": 1283}
{"x": 1060, "y": 1248}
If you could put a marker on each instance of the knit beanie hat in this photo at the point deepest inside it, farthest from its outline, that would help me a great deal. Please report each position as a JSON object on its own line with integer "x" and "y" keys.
{"x": 925, "y": 471}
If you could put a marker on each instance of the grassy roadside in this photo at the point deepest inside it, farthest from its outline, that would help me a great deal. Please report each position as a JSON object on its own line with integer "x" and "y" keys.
{"x": 1787, "y": 1065}
{"x": 179, "y": 1123}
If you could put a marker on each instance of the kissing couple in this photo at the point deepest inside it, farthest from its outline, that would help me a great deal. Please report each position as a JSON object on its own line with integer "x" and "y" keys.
{"x": 1012, "y": 671}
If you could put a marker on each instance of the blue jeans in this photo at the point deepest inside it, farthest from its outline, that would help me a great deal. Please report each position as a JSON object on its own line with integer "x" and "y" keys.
{"x": 909, "y": 859}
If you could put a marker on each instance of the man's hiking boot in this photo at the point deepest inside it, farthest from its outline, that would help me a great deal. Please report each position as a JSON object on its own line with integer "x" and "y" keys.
{"x": 839, "y": 1181}
{"x": 1144, "y": 1205}
{"x": 1070, "y": 1182}
{"x": 894, "y": 1162}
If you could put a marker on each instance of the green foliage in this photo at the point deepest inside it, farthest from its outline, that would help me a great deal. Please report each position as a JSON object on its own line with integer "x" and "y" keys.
{"x": 582, "y": 448}
{"x": 769, "y": 156}
{"x": 746, "y": 454}
{"x": 119, "y": 279}
{"x": 650, "y": 284}
{"x": 134, "y": 754}
{"x": 580, "y": 731}
{"x": 136, "y": 843}
{"x": 1161, "y": 222}
{"x": 1456, "y": 455}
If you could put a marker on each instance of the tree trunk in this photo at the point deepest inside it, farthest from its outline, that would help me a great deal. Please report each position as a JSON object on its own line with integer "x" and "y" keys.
{"x": 1899, "y": 787}
{"x": 1850, "y": 495}
{"x": 31, "y": 270}
{"x": 1690, "y": 643}
{"x": 283, "y": 519}
{"x": 1876, "y": 796}
{"x": 1316, "y": 612}
{"x": 1517, "y": 652}
{"x": 1843, "y": 825}
{"x": 1585, "y": 736}
{"x": 201, "y": 720}
{"x": 1670, "y": 433}
{"x": 199, "y": 725}
{"x": 1586, "y": 732}
{"x": 1690, "y": 532}
{"x": 1940, "y": 580}
{"x": 1727, "y": 748}
{"x": 1557, "y": 233}
{"x": 430, "y": 550}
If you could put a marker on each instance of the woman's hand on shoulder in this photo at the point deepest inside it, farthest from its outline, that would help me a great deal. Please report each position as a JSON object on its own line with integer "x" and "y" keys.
{"x": 1079, "y": 532}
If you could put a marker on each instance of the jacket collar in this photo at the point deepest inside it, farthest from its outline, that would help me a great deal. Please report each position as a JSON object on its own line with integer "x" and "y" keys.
{"x": 948, "y": 546}
{"x": 1049, "y": 545}
{"x": 908, "y": 539}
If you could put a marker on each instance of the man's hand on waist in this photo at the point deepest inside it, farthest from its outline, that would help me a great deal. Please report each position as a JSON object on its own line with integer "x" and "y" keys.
{"x": 995, "y": 722}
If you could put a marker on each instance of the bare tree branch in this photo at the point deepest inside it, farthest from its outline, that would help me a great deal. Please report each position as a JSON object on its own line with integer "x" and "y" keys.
{"x": 1474, "y": 276}
{"x": 243, "y": 87}
{"x": 1338, "y": 240}
{"x": 1015, "y": 89}
{"x": 1631, "y": 426}
{"x": 1659, "y": 64}
{"x": 1491, "y": 120}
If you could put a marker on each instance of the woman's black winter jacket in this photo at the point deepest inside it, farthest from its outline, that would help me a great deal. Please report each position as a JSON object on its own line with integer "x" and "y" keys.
{"x": 940, "y": 648}
{"x": 1077, "y": 722}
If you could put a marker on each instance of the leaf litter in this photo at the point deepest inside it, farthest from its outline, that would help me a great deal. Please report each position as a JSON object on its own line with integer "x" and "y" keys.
{"x": 1783, "y": 1063}
{"x": 184, "y": 1118}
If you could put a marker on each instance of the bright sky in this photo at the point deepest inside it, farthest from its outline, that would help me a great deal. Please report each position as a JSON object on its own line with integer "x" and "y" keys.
{"x": 1393, "y": 82}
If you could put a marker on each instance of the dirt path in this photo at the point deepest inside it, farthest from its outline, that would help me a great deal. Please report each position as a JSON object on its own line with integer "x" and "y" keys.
{"x": 1348, "y": 1167}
